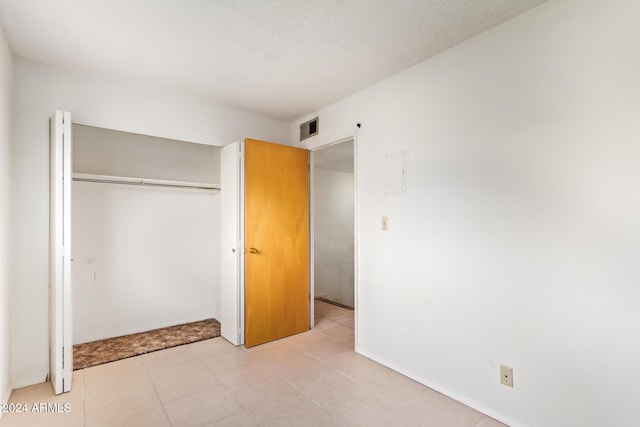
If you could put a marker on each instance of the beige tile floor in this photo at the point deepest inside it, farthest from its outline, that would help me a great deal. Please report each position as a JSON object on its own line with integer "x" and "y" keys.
{"x": 310, "y": 379}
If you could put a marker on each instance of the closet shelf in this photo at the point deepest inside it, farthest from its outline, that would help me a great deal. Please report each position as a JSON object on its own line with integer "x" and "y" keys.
{"x": 110, "y": 179}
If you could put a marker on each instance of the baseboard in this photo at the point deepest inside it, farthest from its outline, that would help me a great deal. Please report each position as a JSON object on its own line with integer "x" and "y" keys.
{"x": 337, "y": 304}
{"x": 444, "y": 390}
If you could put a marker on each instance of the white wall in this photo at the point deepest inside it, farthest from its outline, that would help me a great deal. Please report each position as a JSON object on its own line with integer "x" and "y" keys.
{"x": 518, "y": 240}
{"x": 6, "y": 74}
{"x": 333, "y": 235}
{"x": 94, "y": 101}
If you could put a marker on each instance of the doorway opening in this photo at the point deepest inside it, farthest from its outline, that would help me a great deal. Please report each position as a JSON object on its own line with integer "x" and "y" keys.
{"x": 333, "y": 202}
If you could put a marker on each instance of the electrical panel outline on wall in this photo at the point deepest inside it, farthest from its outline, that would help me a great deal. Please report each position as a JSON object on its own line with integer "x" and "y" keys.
{"x": 395, "y": 173}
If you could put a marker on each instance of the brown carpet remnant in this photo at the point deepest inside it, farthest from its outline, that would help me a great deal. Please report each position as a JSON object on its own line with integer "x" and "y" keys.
{"x": 112, "y": 349}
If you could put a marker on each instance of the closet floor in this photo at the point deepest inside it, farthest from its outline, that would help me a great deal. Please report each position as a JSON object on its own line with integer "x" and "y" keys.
{"x": 112, "y": 349}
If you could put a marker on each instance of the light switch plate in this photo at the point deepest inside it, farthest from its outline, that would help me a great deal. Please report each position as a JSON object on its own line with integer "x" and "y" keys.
{"x": 385, "y": 223}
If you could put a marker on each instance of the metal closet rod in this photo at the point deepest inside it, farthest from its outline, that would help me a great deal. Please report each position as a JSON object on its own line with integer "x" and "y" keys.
{"x": 109, "y": 179}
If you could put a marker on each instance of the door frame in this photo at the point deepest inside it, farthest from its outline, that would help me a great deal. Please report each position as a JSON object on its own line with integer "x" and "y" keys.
{"x": 233, "y": 294}
{"x": 312, "y": 224}
{"x": 232, "y": 208}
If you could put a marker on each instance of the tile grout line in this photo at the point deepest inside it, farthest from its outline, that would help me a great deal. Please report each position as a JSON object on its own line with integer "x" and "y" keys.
{"x": 309, "y": 398}
{"x": 230, "y": 393}
{"x": 84, "y": 397}
{"x": 272, "y": 370}
{"x": 333, "y": 370}
{"x": 153, "y": 384}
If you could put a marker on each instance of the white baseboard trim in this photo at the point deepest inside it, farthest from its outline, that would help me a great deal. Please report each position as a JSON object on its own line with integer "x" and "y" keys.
{"x": 444, "y": 390}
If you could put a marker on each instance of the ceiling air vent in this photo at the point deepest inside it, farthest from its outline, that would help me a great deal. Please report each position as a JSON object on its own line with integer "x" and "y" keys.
{"x": 309, "y": 129}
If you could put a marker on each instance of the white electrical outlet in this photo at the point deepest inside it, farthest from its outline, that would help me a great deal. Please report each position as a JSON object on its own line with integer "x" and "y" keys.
{"x": 385, "y": 223}
{"x": 506, "y": 375}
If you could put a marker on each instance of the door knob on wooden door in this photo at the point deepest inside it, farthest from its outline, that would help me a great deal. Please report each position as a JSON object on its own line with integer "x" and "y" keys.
{"x": 253, "y": 251}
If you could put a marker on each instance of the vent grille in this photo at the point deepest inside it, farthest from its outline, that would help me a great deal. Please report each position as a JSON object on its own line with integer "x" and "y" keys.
{"x": 309, "y": 129}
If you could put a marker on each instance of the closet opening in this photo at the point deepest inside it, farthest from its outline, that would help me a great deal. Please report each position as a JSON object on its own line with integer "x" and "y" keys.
{"x": 145, "y": 244}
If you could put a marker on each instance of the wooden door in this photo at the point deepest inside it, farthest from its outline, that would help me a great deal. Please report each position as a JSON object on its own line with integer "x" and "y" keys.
{"x": 276, "y": 241}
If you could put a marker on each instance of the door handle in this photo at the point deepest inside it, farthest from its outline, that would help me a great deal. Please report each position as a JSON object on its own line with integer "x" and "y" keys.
{"x": 233, "y": 250}
{"x": 253, "y": 251}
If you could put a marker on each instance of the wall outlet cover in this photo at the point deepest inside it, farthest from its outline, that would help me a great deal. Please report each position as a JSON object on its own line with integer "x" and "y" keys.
{"x": 506, "y": 375}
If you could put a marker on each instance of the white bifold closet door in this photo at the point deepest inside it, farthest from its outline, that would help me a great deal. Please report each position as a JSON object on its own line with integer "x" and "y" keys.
{"x": 60, "y": 346}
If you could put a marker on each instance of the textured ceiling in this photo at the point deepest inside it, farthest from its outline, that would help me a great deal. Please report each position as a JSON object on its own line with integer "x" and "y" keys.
{"x": 279, "y": 58}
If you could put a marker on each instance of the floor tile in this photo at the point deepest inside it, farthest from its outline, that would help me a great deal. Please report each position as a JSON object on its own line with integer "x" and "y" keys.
{"x": 337, "y": 313}
{"x": 324, "y": 323}
{"x": 31, "y": 394}
{"x": 274, "y": 351}
{"x": 143, "y": 411}
{"x": 308, "y": 414}
{"x": 188, "y": 379}
{"x": 43, "y": 393}
{"x": 321, "y": 307}
{"x": 269, "y": 399}
{"x": 354, "y": 365}
{"x": 377, "y": 412}
{"x": 238, "y": 379}
{"x": 32, "y": 419}
{"x": 340, "y": 333}
{"x": 165, "y": 360}
{"x": 226, "y": 359}
{"x": 313, "y": 379}
{"x": 289, "y": 368}
{"x": 202, "y": 408}
{"x": 490, "y": 422}
{"x": 348, "y": 321}
{"x": 210, "y": 346}
{"x": 115, "y": 382}
{"x": 322, "y": 347}
{"x": 438, "y": 410}
{"x": 304, "y": 338}
{"x": 332, "y": 391}
{"x": 241, "y": 419}
{"x": 391, "y": 385}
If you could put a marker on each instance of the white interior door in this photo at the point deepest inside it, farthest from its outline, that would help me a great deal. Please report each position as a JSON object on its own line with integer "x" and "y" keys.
{"x": 232, "y": 246}
{"x": 60, "y": 346}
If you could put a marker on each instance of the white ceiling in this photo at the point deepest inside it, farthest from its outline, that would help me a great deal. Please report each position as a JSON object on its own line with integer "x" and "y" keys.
{"x": 279, "y": 58}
